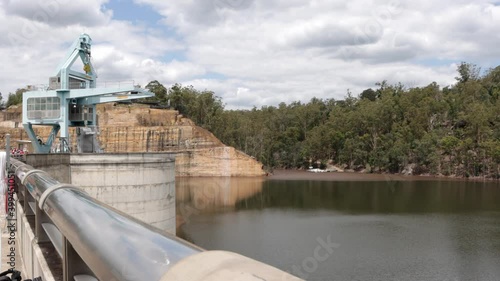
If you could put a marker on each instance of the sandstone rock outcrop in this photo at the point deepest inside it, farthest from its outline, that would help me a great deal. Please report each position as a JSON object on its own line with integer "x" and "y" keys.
{"x": 138, "y": 128}
{"x": 227, "y": 160}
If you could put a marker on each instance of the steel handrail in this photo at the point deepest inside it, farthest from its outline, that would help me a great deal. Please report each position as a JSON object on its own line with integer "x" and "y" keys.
{"x": 114, "y": 245}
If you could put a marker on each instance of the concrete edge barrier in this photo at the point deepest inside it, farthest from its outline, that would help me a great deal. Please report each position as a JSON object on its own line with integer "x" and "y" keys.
{"x": 227, "y": 266}
{"x": 131, "y": 158}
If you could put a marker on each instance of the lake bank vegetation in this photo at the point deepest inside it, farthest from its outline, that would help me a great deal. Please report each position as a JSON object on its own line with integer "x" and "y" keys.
{"x": 451, "y": 131}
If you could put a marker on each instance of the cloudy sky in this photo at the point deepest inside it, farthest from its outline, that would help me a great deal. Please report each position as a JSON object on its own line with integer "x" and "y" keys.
{"x": 253, "y": 52}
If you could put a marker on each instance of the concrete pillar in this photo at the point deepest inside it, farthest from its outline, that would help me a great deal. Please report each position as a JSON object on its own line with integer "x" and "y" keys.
{"x": 139, "y": 184}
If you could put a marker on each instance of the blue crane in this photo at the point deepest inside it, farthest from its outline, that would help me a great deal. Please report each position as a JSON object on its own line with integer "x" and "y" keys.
{"x": 70, "y": 100}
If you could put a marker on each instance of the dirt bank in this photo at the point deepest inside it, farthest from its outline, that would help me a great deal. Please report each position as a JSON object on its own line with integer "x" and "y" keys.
{"x": 335, "y": 176}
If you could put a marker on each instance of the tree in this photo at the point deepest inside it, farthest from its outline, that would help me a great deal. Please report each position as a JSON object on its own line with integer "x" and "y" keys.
{"x": 207, "y": 110}
{"x": 467, "y": 71}
{"x": 159, "y": 90}
{"x": 369, "y": 94}
{"x": 16, "y": 98}
{"x": 491, "y": 82}
{"x": 182, "y": 98}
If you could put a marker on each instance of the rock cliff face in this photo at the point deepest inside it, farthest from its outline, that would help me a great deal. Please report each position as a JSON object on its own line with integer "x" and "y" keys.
{"x": 226, "y": 160}
{"x": 137, "y": 128}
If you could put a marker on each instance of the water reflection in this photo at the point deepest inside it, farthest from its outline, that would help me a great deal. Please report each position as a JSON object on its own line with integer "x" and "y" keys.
{"x": 379, "y": 197}
{"x": 207, "y": 195}
{"x": 220, "y": 193}
{"x": 387, "y": 229}
{"x": 195, "y": 196}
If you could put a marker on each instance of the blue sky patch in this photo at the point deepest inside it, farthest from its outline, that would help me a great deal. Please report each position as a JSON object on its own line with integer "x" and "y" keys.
{"x": 174, "y": 55}
{"x": 127, "y": 10}
{"x": 436, "y": 62}
{"x": 145, "y": 15}
{"x": 215, "y": 76}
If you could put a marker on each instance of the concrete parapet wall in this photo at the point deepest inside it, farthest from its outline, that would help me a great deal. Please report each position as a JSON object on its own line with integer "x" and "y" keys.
{"x": 222, "y": 265}
{"x": 56, "y": 165}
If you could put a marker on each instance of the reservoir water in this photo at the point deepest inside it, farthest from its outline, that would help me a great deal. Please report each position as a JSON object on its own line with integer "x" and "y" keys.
{"x": 349, "y": 226}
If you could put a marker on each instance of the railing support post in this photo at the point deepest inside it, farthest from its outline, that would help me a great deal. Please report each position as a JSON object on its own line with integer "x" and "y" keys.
{"x": 72, "y": 263}
{"x": 41, "y": 217}
{"x": 29, "y": 201}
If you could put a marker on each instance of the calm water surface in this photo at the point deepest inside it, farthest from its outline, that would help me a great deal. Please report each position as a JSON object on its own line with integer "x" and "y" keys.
{"x": 377, "y": 228}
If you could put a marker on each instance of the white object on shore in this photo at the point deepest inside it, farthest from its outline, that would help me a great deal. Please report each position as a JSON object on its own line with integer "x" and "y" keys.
{"x": 316, "y": 170}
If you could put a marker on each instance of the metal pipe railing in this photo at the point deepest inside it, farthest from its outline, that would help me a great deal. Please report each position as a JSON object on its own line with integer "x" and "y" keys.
{"x": 114, "y": 245}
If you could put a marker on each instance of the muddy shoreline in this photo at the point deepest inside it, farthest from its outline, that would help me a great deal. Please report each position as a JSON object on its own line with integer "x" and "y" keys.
{"x": 349, "y": 176}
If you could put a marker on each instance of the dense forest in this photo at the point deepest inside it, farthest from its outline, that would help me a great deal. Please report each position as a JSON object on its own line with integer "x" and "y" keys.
{"x": 429, "y": 130}
{"x": 453, "y": 131}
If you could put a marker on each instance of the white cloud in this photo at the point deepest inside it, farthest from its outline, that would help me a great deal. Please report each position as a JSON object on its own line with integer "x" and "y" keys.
{"x": 266, "y": 52}
{"x": 32, "y": 49}
{"x": 59, "y": 12}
